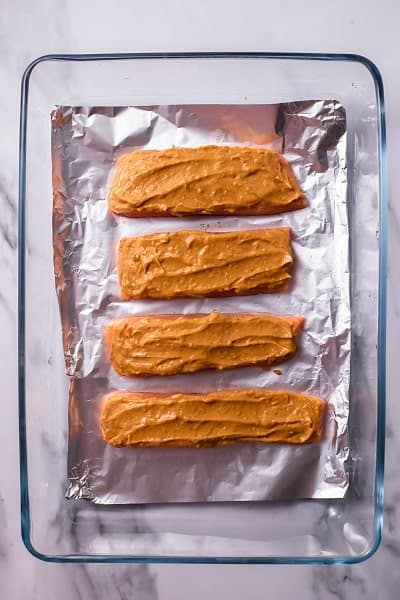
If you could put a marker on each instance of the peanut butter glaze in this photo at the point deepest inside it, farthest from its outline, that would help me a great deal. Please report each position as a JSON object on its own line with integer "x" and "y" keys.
{"x": 168, "y": 344}
{"x": 196, "y": 264}
{"x": 215, "y": 180}
{"x": 216, "y": 418}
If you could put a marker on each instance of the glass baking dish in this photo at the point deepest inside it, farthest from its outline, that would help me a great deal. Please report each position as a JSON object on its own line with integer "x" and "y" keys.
{"x": 308, "y": 531}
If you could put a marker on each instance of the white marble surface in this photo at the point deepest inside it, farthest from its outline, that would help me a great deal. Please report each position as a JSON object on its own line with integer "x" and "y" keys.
{"x": 28, "y": 29}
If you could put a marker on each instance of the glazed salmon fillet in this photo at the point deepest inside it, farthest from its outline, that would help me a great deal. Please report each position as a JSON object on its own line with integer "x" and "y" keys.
{"x": 207, "y": 180}
{"x": 197, "y": 264}
{"x": 170, "y": 344}
{"x": 211, "y": 419}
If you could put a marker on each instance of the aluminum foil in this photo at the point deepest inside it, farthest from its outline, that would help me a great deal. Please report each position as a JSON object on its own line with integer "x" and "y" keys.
{"x": 86, "y": 142}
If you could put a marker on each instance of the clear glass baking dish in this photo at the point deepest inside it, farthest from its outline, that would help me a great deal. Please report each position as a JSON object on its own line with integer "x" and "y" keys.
{"x": 309, "y": 531}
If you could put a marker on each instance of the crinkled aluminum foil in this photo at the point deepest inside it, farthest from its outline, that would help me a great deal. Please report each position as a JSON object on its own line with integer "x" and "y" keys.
{"x": 86, "y": 142}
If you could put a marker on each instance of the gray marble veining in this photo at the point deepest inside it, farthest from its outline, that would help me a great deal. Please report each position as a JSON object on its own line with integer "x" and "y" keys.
{"x": 29, "y": 29}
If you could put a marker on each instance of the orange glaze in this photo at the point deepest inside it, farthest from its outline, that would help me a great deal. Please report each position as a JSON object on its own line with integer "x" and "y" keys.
{"x": 211, "y": 180}
{"x": 213, "y": 419}
{"x": 169, "y": 344}
{"x": 197, "y": 264}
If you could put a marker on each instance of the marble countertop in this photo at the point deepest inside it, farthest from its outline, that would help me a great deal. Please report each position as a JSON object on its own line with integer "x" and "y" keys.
{"x": 29, "y": 29}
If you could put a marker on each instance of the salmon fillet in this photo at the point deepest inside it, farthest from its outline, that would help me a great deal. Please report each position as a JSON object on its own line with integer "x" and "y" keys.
{"x": 209, "y": 180}
{"x": 170, "y": 344}
{"x": 196, "y": 264}
{"x": 211, "y": 419}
